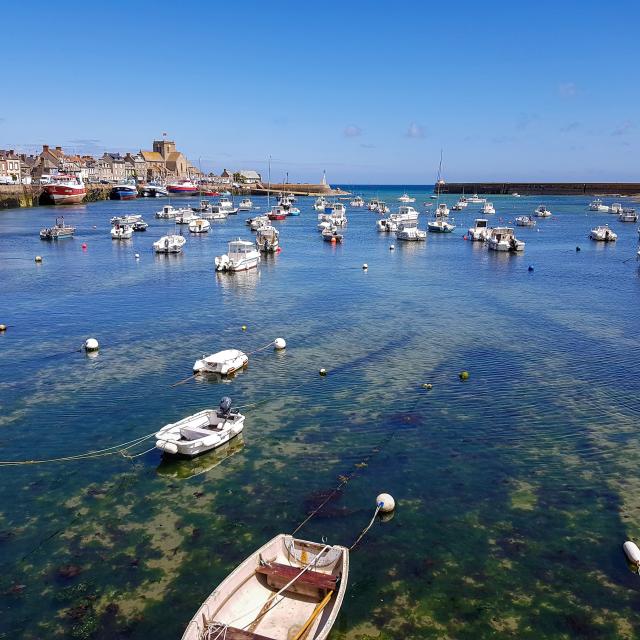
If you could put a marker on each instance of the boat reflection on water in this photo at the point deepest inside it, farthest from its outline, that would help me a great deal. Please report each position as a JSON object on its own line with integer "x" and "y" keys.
{"x": 239, "y": 281}
{"x": 182, "y": 469}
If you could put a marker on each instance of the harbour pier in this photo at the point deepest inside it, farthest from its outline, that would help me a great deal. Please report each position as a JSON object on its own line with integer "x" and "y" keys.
{"x": 544, "y": 188}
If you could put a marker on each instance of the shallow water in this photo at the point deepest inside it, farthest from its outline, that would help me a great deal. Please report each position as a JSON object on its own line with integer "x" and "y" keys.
{"x": 515, "y": 488}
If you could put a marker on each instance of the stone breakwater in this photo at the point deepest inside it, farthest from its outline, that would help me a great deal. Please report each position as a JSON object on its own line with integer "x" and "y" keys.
{"x": 545, "y": 188}
{"x": 12, "y": 196}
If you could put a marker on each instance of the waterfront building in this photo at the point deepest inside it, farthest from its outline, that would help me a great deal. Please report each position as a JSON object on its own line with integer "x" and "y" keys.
{"x": 10, "y": 166}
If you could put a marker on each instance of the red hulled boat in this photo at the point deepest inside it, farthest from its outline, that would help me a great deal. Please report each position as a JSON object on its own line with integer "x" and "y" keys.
{"x": 66, "y": 189}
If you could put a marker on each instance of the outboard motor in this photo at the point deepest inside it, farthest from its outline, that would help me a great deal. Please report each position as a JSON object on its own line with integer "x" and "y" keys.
{"x": 225, "y": 407}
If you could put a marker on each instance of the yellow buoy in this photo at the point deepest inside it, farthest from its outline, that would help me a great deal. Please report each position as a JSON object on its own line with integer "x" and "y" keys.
{"x": 323, "y": 372}
{"x": 464, "y": 375}
{"x": 244, "y": 327}
{"x": 38, "y": 258}
{"x": 427, "y": 385}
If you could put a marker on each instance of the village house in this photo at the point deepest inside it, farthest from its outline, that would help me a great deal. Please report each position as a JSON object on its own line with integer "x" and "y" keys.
{"x": 135, "y": 166}
{"x": 10, "y": 166}
{"x": 247, "y": 177}
{"x": 111, "y": 167}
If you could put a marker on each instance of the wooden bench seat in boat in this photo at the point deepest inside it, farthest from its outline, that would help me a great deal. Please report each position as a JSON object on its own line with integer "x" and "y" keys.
{"x": 309, "y": 578}
{"x": 230, "y": 633}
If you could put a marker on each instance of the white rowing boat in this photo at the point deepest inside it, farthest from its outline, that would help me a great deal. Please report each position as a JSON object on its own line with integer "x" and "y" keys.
{"x": 289, "y": 589}
{"x": 224, "y": 362}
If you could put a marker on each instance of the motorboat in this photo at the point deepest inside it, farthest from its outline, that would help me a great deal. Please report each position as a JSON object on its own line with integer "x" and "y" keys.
{"x": 227, "y": 205}
{"x": 476, "y": 199}
{"x": 503, "y": 239}
{"x": 628, "y": 215}
{"x": 214, "y": 212}
{"x": 241, "y": 256}
{"x": 335, "y": 213}
{"x": 515, "y": 194}
{"x": 140, "y": 225}
{"x": 182, "y": 188}
{"x": 204, "y": 205}
{"x": 66, "y": 189}
{"x": 169, "y": 212}
{"x": 58, "y": 231}
{"x": 323, "y": 225}
{"x": 405, "y": 198}
{"x": 616, "y": 208}
{"x": 331, "y": 235}
{"x": 480, "y": 230}
{"x": 201, "y": 432}
{"x": 129, "y": 219}
{"x": 172, "y": 243}
{"x": 460, "y": 205}
{"x": 440, "y": 225}
{"x": 442, "y": 210}
{"x": 603, "y": 234}
{"x": 267, "y": 239}
{"x": 372, "y": 205}
{"x": 186, "y": 217}
{"x": 288, "y": 589}
{"x": 152, "y": 190}
{"x": 357, "y": 202}
{"x": 487, "y": 208}
{"x": 277, "y": 213}
{"x": 124, "y": 191}
{"x": 121, "y": 231}
{"x": 285, "y": 202}
{"x": 382, "y": 207}
{"x": 525, "y": 221}
{"x": 597, "y": 205}
{"x": 199, "y": 225}
{"x": 258, "y": 222}
{"x": 223, "y": 363}
{"x": 404, "y": 214}
{"x": 408, "y": 231}
{"x": 245, "y": 204}
{"x": 320, "y": 203}
{"x": 542, "y": 212}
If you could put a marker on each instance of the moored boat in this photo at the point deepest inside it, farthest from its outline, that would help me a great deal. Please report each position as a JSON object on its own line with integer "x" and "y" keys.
{"x": 628, "y": 215}
{"x": 223, "y": 362}
{"x": 487, "y": 208}
{"x": 408, "y": 231}
{"x": 169, "y": 212}
{"x": 603, "y": 234}
{"x": 124, "y": 191}
{"x": 288, "y": 589}
{"x": 172, "y": 243}
{"x": 597, "y": 205}
{"x": 121, "y": 231}
{"x": 152, "y": 190}
{"x": 58, "y": 231}
{"x": 201, "y": 432}
{"x": 66, "y": 189}
{"x": 503, "y": 239}
{"x": 245, "y": 205}
{"x": 258, "y": 222}
{"x": 199, "y": 225}
{"x": 241, "y": 256}
{"x": 460, "y": 205}
{"x": 480, "y": 230}
{"x": 616, "y": 208}
{"x": 182, "y": 187}
{"x": 525, "y": 221}
{"x": 320, "y": 203}
{"x": 267, "y": 239}
{"x": 440, "y": 225}
{"x": 277, "y": 213}
{"x": 542, "y": 212}
{"x": 357, "y": 202}
{"x": 331, "y": 235}
{"x": 406, "y": 198}
{"x": 476, "y": 199}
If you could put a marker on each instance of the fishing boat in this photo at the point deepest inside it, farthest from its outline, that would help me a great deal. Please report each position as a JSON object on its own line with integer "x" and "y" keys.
{"x": 357, "y": 202}
{"x": 128, "y": 219}
{"x": 277, "y": 213}
{"x": 320, "y": 203}
{"x": 58, "y": 231}
{"x": 267, "y": 239}
{"x": 226, "y": 204}
{"x": 66, "y": 189}
{"x": 616, "y": 208}
{"x": 460, "y": 205}
{"x": 153, "y": 190}
{"x": 373, "y": 204}
{"x": 503, "y": 239}
{"x": 258, "y": 222}
{"x": 214, "y": 212}
{"x": 390, "y": 224}
{"x": 169, "y": 212}
{"x": 442, "y": 210}
{"x": 405, "y": 198}
{"x": 597, "y": 205}
{"x": 480, "y": 230}
{"x": 525, "y": 221}
{"x": 542, "y": 212}
{"x": 121, "y": 232}
{"x": 245, "y": 204}
{"x": 124, "y": 191}
{"x": 182, "y": 188}
{"x": 331, "y": 235}
{"x": 487, "y": 208}
{"x": 408, "y": 231}
{"x": 241, "y": 256}
{"x": 603, "y": 234}
{"x": 172, "y": 243}
{"x": 440, "y": 225}
{"x": 476, "y": 199}
{"x": 223, "y": 363}
{"x": 628, "y": 215}
{"x": 383, "y": 207}
{"x": 199, "y": 225}
{"x": 201, "y": 432}
{"x": 289, "y": 589}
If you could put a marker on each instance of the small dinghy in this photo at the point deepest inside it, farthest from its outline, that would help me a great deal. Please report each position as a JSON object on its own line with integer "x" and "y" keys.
{"x": 169, "y": 244}
{"x": 199, "y": 225}
{"x": 224, "y": 362}
{"x": 331, "y": 235}
{"x": 201, "y": 432}
{"x": 289, "y": 589}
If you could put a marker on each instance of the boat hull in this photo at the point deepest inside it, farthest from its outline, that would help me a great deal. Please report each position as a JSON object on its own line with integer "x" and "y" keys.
{"x": 65, "y": 195}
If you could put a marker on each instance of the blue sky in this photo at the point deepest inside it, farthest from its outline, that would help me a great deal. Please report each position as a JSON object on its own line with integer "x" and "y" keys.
{"x": 369, "y": 91}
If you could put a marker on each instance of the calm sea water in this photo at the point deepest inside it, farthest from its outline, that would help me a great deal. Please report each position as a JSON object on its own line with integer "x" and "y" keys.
{"x": 515, "y": 488}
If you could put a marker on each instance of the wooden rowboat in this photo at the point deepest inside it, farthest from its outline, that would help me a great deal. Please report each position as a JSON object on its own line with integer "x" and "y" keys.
{"x": 289, "y": 589}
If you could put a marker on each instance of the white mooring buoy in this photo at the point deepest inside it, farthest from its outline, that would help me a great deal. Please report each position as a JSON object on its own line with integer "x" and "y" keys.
{"x": 279, "y": 344}
{"x": 386, "y": 503}
{"x": 632, "y": 552}
{"x": 391, "y": 247}
{"x": 365, "y": 266}
{"x": 91, "y": 344}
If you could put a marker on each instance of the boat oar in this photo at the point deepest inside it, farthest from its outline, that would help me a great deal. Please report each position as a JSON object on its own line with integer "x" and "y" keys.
{"x": 316, "y": 612}
{"x": 185, "y": 380}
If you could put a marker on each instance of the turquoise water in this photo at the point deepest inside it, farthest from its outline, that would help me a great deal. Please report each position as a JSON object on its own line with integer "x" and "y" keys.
{"x": 515, "y": 488}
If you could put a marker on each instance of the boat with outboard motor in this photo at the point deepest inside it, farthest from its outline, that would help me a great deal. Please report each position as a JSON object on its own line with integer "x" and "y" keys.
{"x": 603, "y": 234}
{"x": 628, "y": 215}
{"x": 408, "y": 231}
{"x": 171, "y": 243}
{"x": 542, "y": 212}
{"x": 121, "y": 231}
{"x": 597, "y": 205}
{"x": 390, "y": 224}
{"x": 525, "y": 221}
{"x": 332, "y": 235}
{"x": 288, "y": 589}
{"x": 199, "y": 225}
{"x": 201, "y": 432}
{"x": 58, "y": 232}
{"x": 503, "y": 239}
{"x": 223, "y": 362}
{"x": 405, "y": 198}
{"x": 241, "y": 256}
{"x": 357, "y": 202}
{"x": 480, "y": 230}
{"x": 267, "y": 239}
{"x": 258, "y": 221}
{"x": 246, "y": 204}
{"x": 169, "y": 212}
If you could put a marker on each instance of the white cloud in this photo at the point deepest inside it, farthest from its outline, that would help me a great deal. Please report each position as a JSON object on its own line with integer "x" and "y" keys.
{"x": 352, "y": 131}
{"x": 415, "y": 131}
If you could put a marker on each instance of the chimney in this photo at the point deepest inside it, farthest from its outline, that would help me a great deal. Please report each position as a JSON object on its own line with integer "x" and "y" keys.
{"x": 58, "y": 148}
{"x": 45, "y": 147}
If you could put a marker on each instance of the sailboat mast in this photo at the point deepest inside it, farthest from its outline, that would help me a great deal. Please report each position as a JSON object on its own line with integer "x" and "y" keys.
{"x": 269, "y": 187}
